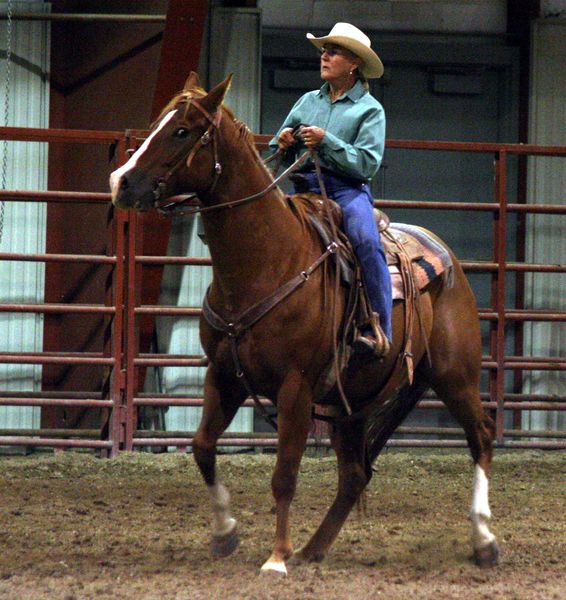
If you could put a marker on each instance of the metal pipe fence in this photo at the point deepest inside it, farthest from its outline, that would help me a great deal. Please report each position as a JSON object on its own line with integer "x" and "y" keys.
{"x": 109, "y": 437}
{"x": 121, "y": 356}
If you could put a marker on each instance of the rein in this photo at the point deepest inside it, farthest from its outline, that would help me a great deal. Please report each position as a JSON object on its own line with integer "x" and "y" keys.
{"x": 253, "y": 314}
{"x": 325, "y": 198}
{"x": 208, "y": 136}
{"x": 168, "y": 209}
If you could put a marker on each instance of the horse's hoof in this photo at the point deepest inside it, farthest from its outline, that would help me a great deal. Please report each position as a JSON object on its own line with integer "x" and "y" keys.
{"x": 487, "y": 556}
{"x": 222, "y": 546}
{"x": 296, "y": 559}
{"x": 277, "y": 569}
{"x": 300, "y": 557}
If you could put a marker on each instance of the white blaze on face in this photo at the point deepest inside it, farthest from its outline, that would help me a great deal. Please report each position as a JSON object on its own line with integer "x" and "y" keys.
{"x": 480, "y": 512}
{"x": 117, "y": 175}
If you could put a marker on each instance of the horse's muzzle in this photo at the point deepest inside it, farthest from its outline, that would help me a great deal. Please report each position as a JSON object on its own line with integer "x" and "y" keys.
{"x": 126, "y": 195}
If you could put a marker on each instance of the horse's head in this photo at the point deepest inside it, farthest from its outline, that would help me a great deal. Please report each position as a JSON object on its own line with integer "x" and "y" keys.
{"x": 180, "y": 154}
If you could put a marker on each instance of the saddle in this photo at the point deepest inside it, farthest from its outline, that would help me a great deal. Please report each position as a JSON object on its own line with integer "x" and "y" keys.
{"x": 428, "y": 257}
{"x": 414, "y": 258}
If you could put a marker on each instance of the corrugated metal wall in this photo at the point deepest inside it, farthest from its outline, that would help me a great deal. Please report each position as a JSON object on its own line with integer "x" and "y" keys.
{"x": 546, "y": 234}
{"x": 27, "y": 93}
{"x": 235, "y": 47}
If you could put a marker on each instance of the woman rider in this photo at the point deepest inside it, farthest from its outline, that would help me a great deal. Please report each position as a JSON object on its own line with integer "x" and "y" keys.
{"x": 346, "y": 126}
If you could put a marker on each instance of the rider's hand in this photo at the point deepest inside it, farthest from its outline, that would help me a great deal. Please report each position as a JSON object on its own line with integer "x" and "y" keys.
{"x": 312, "y": 136}
{"x": 286, "y": 139}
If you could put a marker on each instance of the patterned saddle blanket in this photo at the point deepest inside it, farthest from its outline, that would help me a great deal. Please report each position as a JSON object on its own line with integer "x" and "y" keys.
{"x": 429, "y": 258}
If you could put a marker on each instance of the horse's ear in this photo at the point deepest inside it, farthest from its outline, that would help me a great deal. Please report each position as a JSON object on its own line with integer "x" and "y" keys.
{"x": 192, "y": 82}
{"x": 215, "y": 97}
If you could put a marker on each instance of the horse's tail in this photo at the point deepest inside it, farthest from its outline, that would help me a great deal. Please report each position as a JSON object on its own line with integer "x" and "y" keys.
{"x": 384, "y": 421}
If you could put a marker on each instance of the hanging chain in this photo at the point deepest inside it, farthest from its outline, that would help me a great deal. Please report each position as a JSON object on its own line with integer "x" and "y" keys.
{"x": 7, "y": 86}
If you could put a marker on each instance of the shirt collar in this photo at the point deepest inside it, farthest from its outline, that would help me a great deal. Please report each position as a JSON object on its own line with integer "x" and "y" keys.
{"x": 354, "y": 93}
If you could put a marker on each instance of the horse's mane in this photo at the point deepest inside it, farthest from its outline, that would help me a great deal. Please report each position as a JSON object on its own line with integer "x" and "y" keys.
{"x": 179, "y": 98}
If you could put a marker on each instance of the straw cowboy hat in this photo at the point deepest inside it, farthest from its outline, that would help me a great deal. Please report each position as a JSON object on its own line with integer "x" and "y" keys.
{"x": 350, "y": 37}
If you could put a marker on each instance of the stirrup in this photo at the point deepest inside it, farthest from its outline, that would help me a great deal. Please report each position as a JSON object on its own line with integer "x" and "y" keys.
{"x": 377, "y": 346}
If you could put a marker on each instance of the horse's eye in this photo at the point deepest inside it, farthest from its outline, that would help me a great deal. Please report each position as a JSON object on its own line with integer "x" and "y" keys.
{"x": 182, "y": 132}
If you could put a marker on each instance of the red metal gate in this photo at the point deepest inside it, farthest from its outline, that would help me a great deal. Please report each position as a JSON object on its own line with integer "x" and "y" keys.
{"x": 109, "y": 398}
{"x": 120, "y": 397}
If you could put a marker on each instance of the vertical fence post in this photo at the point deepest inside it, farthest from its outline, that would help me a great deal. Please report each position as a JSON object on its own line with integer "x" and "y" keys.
{"x": 118, "y": 224}
{"x": 497, "y": 345}
{"x": 131, "y": 333}
{"x": 117, "y": 389}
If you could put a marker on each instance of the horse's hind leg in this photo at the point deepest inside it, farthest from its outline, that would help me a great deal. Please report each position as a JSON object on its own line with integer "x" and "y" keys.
{"x": 456, "y": 360}
{"x": 218, "y": 412}
{"x": 348, "y": 442}
{"x": 479, "y": 429}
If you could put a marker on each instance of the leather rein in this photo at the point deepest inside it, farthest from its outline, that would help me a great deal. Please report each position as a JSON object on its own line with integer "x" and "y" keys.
{"x": 174, "y": 207}
{"x": 235, "y": 329}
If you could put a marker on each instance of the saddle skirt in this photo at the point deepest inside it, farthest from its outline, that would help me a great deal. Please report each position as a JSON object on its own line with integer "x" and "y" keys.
{"x": 428, "y": 257}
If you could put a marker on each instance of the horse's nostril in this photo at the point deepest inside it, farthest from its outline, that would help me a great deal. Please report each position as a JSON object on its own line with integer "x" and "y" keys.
{"x": 123, "y": 183}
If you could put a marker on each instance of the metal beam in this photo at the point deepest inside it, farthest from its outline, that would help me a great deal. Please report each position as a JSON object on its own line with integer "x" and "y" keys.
{"x": 180, "y": 54}
{"x": 83, "y": 17}
{"x": 180, "y": 51}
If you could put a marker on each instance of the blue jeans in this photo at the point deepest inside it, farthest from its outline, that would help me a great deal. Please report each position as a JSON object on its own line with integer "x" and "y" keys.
{"x": 359, "y": 225}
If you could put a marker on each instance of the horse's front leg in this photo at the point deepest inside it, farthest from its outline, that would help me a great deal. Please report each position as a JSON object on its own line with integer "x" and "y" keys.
{"x": 220, "y": 405}
{"x": 348, "y": 440}
{"x": 294, "y": 404}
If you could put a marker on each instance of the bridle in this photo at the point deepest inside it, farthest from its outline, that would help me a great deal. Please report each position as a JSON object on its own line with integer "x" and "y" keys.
{"x": 181, "y": 155}
{"x": 234, "y": 329}
{"x": 177, "y": 204}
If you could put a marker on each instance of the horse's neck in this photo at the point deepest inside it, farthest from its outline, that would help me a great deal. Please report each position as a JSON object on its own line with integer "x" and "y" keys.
{"x": 253, "y": 239}
{"x": 254, "y": 246}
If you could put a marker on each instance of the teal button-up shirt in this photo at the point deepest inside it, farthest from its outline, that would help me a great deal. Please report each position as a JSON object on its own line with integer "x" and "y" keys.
{"x": 355, "y": 130}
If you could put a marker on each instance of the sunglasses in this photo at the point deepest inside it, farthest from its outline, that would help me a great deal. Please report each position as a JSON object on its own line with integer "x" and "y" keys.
{"x": 332, "y": 51}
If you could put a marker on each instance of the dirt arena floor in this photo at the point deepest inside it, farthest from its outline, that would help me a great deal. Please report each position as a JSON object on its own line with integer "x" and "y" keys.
{"x": 75, "y": 527}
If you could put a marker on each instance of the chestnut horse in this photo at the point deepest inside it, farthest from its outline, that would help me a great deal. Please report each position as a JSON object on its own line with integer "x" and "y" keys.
{"x": 257, "y": 246}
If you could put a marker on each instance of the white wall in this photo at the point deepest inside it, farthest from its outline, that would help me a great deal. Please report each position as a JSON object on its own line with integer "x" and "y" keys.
{"x": 546, "y": 234}
{"x": 27, "y": 93}
{"x": 235, "y": 47}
